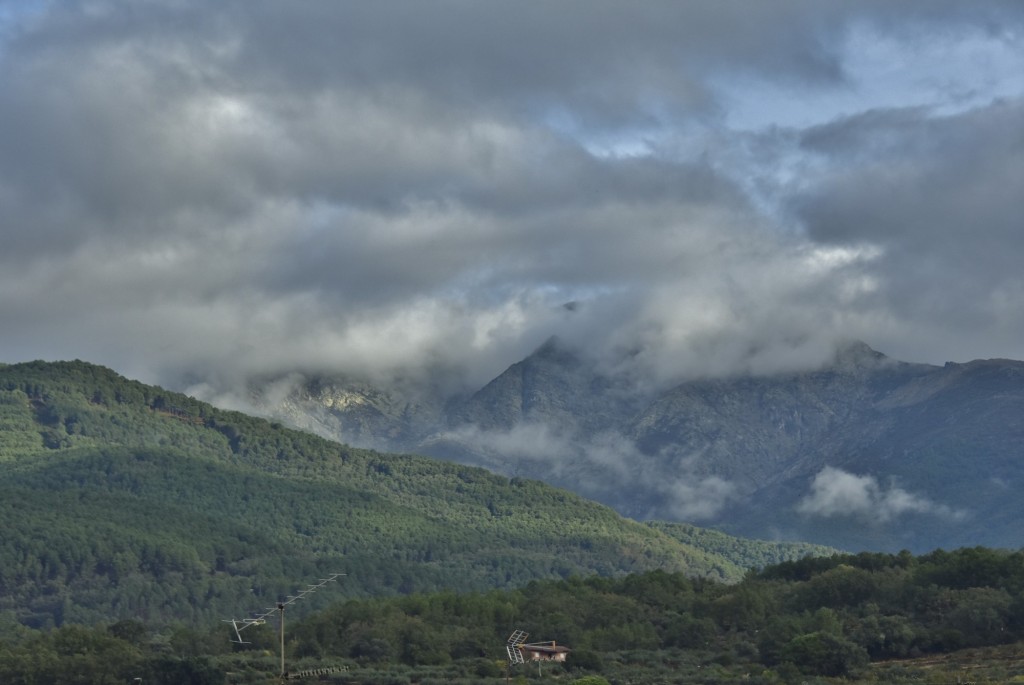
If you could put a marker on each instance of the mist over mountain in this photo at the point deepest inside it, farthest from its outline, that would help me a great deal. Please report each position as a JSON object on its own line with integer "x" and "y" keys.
{"x": 863, "y": 452}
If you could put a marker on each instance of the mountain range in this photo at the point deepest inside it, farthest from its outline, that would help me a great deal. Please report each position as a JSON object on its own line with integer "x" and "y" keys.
{"x": 122, "y": 500}
{"x": 866, "y": 452}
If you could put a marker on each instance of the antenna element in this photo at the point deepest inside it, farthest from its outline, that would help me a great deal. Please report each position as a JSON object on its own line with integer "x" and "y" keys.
{"x": 259, "y": 619}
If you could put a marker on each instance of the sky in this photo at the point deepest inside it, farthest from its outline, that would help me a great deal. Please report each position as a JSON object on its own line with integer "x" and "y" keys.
{"x": 195, "y": 191}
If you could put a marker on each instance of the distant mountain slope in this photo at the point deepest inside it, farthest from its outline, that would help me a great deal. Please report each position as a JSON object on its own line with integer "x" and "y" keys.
{"x": 745, "y": 553}
{"x": 125, "y": 500}
{"x": 865, "y": 453}
{"x": 553, "y": 386}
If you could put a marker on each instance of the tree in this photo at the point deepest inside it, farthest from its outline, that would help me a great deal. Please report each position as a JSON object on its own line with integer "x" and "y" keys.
{"x": 825, "y": 654}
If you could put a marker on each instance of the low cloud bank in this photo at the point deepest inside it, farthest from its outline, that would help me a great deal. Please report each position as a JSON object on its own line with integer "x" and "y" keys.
{"x": 606, "y": 466}
{"x": 835, "y": 492}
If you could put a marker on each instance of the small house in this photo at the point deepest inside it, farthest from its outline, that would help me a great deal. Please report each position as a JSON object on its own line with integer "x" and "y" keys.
{"x": 544, "y": 651}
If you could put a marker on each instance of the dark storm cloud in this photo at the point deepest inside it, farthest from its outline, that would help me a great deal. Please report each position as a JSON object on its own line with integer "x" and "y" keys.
{"x": 516, "y": 57}
{"x": 941, "y": 196}
{"x": 904, "y": 176}
{"x": 261, "y": 186}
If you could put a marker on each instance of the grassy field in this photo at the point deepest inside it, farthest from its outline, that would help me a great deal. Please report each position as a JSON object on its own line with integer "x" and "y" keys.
{"x": 1001, "y": 664}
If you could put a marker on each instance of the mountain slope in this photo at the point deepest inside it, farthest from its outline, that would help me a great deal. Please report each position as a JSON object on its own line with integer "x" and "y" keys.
{"x": 867, "y": 452}
{"x": 943, "y": 452}
{"x": 126, "y": 500}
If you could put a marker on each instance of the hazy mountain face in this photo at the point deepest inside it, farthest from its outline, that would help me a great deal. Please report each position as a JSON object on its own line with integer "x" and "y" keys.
{"x": 866, "y": 452}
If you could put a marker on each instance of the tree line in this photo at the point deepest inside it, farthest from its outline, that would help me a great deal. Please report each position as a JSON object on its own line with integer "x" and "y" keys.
{"x": 811, "y": 620}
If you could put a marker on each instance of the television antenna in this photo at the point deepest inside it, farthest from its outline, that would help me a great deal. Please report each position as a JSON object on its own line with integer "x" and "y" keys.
{"x": 259, "y": 619}
{"x": 513, "y": 646}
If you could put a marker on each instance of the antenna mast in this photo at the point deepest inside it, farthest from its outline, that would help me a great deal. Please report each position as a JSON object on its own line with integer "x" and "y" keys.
{"x": 259, "y": 619}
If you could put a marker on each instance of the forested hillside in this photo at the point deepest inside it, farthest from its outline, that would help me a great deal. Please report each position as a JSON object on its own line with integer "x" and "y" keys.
{"x": 122, "y": 500}
{"x": 745, "y": 553}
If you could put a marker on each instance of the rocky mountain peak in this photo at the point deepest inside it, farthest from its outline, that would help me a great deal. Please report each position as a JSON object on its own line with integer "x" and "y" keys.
{"x": 856, "y": 355}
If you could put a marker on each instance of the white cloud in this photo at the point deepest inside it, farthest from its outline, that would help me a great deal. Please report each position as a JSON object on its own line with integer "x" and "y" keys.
{"x": 835, "y": 492}
{"x": 605, "y": 465}
{"x": 696, "y": 499}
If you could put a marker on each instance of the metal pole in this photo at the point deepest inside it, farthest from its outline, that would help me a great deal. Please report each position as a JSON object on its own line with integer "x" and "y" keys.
{"x": 280, "y": 607}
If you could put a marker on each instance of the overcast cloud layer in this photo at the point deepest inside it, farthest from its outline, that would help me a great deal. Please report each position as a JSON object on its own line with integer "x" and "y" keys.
{"x": 190, "y": 188}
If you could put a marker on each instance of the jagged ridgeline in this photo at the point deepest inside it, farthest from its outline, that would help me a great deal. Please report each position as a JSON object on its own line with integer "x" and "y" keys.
{"x": 121, "y": 500}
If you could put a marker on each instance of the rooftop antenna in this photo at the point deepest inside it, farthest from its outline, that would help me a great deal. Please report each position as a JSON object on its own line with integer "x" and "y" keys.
{"x": 259, "y": 619}
{"x": 513, "y": 647}
{"x": 516, "y": 640}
